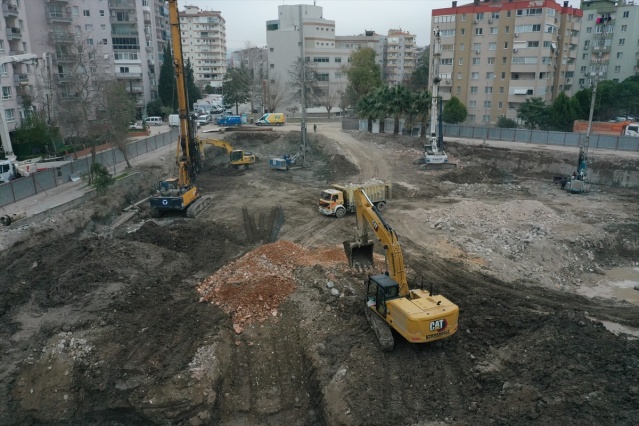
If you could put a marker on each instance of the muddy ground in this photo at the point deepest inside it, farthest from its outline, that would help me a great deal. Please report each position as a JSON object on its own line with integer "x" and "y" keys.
{"x": 102, "y": 326}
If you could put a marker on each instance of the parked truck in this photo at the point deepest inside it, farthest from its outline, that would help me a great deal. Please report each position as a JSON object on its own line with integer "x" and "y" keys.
{"x": 622, "y": 128}
{"x": 229, "y": 120}
{"x": 271, "y": 119}
{"x": 338, "y": 200}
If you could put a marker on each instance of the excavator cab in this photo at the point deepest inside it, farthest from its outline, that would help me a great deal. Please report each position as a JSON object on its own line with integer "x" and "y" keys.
{"x": 359, "y": 253}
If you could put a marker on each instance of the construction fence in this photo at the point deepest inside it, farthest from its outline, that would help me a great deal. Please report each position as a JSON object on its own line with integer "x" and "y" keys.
{"x": 541, "y": 137}
{"x": 35, "y": 183}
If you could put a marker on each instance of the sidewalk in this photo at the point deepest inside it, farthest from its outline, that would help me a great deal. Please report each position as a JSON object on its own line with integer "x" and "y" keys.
{"x": 68, "y": 192}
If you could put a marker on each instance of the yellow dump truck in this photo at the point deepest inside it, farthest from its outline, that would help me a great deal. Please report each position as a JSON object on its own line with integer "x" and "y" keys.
{"x": 338, "y": 200}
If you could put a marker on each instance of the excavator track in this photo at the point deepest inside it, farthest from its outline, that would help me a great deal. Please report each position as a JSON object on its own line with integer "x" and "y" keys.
{"x": 439, "y": 166}
{"x": 198, "y": 206}
{"x": 382, "y": 330}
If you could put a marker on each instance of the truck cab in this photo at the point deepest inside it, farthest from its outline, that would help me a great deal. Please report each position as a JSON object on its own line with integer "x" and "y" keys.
{"x": 7, "y": 171}
{"x": 331, "y": 202}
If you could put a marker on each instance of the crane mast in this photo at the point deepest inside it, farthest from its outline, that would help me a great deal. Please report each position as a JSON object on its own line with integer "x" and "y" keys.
{"x": 437, "y": 53}
{"x": 188, "y": 153}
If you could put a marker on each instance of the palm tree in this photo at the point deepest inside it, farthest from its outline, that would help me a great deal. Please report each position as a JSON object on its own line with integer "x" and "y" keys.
{"x": 400, "y": 102}
{"x": 366, "y": 108}
{"x": 383, "y": 97}
{"x": 422, "y": 102}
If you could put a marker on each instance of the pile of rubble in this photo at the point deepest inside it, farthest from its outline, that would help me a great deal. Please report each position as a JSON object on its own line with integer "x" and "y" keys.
{"x": 252, "y": 287}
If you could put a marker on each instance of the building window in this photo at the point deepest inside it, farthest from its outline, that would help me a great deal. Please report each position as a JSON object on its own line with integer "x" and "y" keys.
{"x": 459, "y": 76}
{"x": 86, "y": 13}
{"x": 492, "y": 46}
{"x": 624, "y": 28}
{"x": 461, "y": 47}
{"x": 322, "y": 77}
{"x": 486, "y": 118}
{"x": 270, "y": 49}
{"x": 589, "y": 30}
{"x": 474, "y": 76}
{"x": 124, "y": 70}
{"x": 505, "y": 45}
{"x": 338, "y": 59}
{"x": 583, "y": 68}
{"x": 617, "y": 69}
{"x": 3, "y": 70}
{"x": 472, "y": 104}
{"x": 491, "y": 61}
{"x": 494, "y": 15}
{"x": 479, "y": 16}
{"x": 459, "y": 90}
{"x": 90, "y": 41}
{"x": 490, "y": 76}
{"x": 88, "y": 27}
{"x": 471, "y": 118}
{"x": 501, "y": 105}
{"x": 10, "y": 115}
{"x": 501, "y": 90}
{"x": 494, "y": 30}
{"x": 626, "y": 14}
{"x": 102, "y": 13}
{"x": 619, "y": 55}
{"x": 6, "y": 92}
{"x": 446, "y": 61}
{"x": 476, "y": 61}
{"x": 488, "y": 89}
{"x": 272, "y": 65}
{"x": 479, "y": 31}
{"x": 461, "y": 61}
{"x": 488, "y": 104}
{"x": 338, "y": 74}
{"x": 1, "y": 46}
{"x": 321, "y": 59}
{"x": 622, "y": 41}
{"x": 474, "y": 89}
{"x": 463, "y": 31}
{"x": 591, "y": 16}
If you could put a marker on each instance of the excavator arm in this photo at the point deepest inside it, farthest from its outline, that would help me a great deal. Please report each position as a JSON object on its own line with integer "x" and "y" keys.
{"x": 361, "y": 250}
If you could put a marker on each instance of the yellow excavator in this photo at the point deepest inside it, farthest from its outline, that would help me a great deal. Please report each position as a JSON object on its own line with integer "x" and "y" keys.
{"x": 180, "y": 193}
{"x": 418, "y": 315}
{"x": 237, "y": 158}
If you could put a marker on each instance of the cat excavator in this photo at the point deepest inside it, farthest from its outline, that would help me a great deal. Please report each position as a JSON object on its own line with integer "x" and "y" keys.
{"x": 238, "y": 158}
{"x": 418, "y": 315}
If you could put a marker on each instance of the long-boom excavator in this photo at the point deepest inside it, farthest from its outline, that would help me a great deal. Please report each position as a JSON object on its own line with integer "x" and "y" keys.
{"x": 418, "y": 315}
{"x": 181, "y": 193}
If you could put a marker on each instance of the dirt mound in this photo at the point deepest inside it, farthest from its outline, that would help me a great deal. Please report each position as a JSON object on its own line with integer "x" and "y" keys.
{"x": 252, "y": 287}
{"x": 477, "y": 174}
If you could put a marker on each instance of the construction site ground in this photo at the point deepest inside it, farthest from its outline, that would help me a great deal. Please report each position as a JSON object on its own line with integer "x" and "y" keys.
{"x": 250, "y": 315}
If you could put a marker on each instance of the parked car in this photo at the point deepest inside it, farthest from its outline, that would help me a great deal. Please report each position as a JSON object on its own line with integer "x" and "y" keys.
{"x": 156, "y": 121}
{"x": 174, "y": 120}
{"x": 622, "y": 118}
{"x": 204, "y": 119}
{"x": 136, "y": 126}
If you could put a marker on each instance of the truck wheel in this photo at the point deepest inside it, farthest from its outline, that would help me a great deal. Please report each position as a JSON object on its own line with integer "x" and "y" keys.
{"x": 381, "y": 206}
{"x": 340, "y": 212}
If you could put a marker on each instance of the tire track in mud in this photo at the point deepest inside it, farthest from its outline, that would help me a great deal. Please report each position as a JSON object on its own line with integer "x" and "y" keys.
{"x": 370, "y": 161}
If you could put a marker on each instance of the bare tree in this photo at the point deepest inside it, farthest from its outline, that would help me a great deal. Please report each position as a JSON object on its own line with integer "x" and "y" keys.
{"x": 82, "y": 77}
{"x": 116, "y": 111}
{"x": 253, "y": 59}
{"x": 304, "y": 78}
{"x": 275, "y": 93}
{"x": 331, "y": 96}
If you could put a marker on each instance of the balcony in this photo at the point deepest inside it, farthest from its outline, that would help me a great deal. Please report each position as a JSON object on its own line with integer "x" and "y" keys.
{"x": 123, "y": 33}
{"x": 121, "y": 4}
{"x": 132, "y": 19}
{"x": 129, "y": 75}
{"x": 16, "y": 52}
{"x": 61, "y": 37}
{"x": 14, "y": 33}
{"x": 9, "y": 10}
{"x": 58, "y": 17}
{"x": 135, "y": 89}
{"x": 20, "y": 78}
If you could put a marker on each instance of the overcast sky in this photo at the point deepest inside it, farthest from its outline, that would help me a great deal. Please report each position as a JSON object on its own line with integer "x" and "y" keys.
{"x": 246, "y": 19}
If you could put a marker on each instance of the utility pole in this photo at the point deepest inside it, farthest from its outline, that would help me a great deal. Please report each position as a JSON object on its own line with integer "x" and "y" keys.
{"x": 303, "y": 88}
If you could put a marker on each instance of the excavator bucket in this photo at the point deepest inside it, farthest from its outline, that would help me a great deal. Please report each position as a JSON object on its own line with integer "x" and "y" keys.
{"x": 359, "y": 253}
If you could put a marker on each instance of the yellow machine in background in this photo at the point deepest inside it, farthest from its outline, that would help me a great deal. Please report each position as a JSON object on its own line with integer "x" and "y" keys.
{"x": 417, "y": 315}
{"x": 237, "y": 158}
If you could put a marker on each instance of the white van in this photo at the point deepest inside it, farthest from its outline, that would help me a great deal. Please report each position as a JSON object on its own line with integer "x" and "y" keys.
{"x": 174, "y": 120}
{"x": 154, "y": 121}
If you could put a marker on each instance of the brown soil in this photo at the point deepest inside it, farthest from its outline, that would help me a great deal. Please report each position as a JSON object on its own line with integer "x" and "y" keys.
{"x": 177, "y": 321}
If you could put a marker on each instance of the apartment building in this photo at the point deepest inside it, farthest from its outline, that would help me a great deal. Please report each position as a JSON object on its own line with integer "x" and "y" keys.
{"x": 18, "y": 78}
{"x": 609, "y": 43}
{"x": 399, "y": 56}
{"x": 329, "y": 52}
{"x": 497, "y": 53}
{"x": 130, "y": 35}
{"x": 204, "y": 44}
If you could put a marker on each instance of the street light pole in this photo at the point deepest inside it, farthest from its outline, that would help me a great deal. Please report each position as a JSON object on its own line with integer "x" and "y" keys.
{"x": 485, "y": 121}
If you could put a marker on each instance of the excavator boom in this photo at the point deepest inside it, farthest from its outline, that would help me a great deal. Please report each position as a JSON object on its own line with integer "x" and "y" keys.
{"x": 418, "y": 315}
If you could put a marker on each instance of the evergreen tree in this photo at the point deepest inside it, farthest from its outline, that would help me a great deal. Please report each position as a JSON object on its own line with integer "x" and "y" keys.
{"x": 167, "y": 88}
{"x": 562, "y": 114}
{"x": 533, "y": 113}
{"x": 454, "y": 111}
{"x": 193, "y": 92}
{"x": 236, "y": 88}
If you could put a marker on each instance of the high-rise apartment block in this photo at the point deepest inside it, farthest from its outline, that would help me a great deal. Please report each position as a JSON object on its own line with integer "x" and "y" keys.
{"x": 495, "y": 54}
{"x": 204, "y": 44}
{"x": 609, "y": 43}
{"x": 399, "y": 56}
{"x": 330, "y": 53}
{"x": 132, "y": 35}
